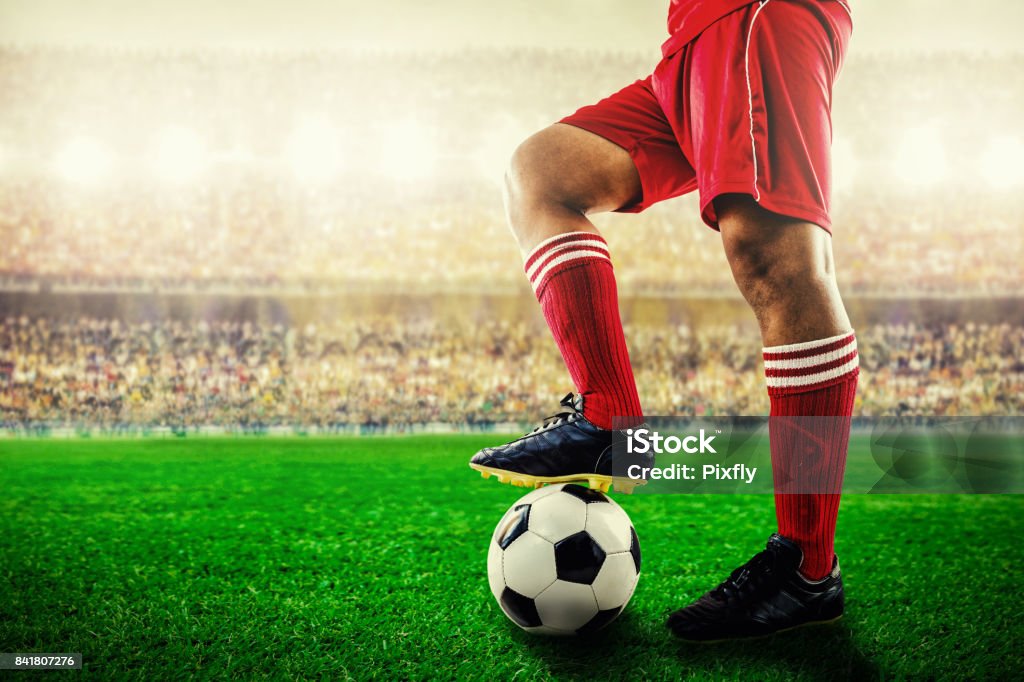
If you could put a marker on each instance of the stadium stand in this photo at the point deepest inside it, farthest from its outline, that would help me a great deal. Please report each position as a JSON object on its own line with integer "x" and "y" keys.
{"x": 417, "y": 191}
{"x": 299, "y": 177}
{"x": 386, "y": 372}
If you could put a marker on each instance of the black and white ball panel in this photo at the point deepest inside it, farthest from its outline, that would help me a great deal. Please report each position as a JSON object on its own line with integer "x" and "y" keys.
{"x": 520, "y": 609}
{"x": 512, "y": 525}
{"x": 566, "y": 606}
{"x": 517, "y": 513}
{"x": 529, "y": 565}
{"x": 609, "y": 526}
{"x": 634, "y": 548}
{"x": 614, "y": 584}
{"x": 578, "y": 558}
{"x": 600, "y": 619}
{"x": 495, "y": 570}
{"x": 558, "y": 516}
{"x": 564, "y": 559}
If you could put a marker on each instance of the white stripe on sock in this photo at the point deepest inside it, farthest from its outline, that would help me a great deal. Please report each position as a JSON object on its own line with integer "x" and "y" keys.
{"x": 820, "y": 359}
{"x": 543, "y": 244}
{"x": 565, "y": 258}
{"x": 804, "y": 380}
{"x": 805, "y": 345}
{"x": 590, "y": 243}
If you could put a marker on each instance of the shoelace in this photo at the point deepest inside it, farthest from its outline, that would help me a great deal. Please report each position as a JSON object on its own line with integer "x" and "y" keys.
{"x": 559, "y": 417}
{"x": 749, "y": 580}
{"x": 552, "y": 421}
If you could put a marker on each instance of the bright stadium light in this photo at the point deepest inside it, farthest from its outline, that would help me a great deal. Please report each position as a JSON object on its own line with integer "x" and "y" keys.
{"x": 1001, "y": 163}
{"x": 501, "y": 141}
{"x": 180, "y": 155}
{"x": 844, "y": 164}
{"x": 921, "y": 157}
{"x": 314, "y": 150}
{"x": 407, "y": 151}
{"x": 84, "y": 161}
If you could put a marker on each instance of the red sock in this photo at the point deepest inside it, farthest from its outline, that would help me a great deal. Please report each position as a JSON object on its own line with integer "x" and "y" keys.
{"x": 573, "y": 278}
{"x": 812, "y": 379}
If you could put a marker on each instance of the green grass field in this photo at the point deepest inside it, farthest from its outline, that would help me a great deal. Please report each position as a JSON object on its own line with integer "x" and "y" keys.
{"x": 365, "y": 558}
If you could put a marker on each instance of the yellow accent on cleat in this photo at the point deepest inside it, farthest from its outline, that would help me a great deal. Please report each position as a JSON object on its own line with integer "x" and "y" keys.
{"x": 596, "y": 481}
{"x": 627, "y": 485}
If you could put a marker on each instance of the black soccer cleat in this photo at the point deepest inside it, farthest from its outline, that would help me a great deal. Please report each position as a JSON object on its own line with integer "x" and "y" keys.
{"x": 565, "y": 448}
{"x": 764, "y": 596}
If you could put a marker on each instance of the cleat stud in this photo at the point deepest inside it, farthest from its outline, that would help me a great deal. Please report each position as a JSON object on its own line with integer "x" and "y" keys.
{"x": 625, "y": 488}
{"x": 485, "y": 474}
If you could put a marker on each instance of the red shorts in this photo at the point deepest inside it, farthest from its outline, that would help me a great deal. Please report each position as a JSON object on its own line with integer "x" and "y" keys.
{"x": 744, "y": 108}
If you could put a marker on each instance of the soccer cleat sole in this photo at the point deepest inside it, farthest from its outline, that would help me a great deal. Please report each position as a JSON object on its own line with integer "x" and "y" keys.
{"x": 597, "y": 481}
{"x": 808, "y": 624}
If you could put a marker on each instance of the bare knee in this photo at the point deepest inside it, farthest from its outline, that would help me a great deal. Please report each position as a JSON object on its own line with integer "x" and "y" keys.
{"x": 533, "y": 176}
{"x": 765, "y": 274}
{"x": 561, "y": 174}
{"x": 777, "y": 261}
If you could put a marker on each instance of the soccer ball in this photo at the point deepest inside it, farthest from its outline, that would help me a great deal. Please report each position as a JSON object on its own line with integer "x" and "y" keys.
{"x": 563, "y": 560}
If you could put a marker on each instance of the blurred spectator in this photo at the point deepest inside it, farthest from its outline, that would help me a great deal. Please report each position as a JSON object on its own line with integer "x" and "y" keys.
{"x": 386, "y": 371}
{"x": 248, "y": 222}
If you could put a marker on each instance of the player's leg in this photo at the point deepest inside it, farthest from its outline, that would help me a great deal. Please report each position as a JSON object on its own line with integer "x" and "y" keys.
{"x": 764, "y": 172}
{"x": 784, "y": 268}
{"x": 611, "y": 156}
{"x": 556, "y": 178}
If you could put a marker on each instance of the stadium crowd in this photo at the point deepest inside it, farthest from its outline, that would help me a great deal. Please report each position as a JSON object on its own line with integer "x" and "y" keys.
{"x": 247, "y": 221}
{"x": 382, "y": 372}
{"x": 246, "y": 239}
{"x": 337, "y": 173}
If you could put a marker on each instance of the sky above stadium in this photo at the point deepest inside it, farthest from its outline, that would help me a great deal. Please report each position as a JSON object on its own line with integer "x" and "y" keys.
{"x": 880, "y": 25}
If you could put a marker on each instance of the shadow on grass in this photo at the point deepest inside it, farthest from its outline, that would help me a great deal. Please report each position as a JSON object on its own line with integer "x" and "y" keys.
{"x": 636, "y": 648}
{"x": 826, "y": 652}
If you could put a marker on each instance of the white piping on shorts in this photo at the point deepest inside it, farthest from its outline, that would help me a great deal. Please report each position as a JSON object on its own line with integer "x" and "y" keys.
{"x": 750, "y": 94}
